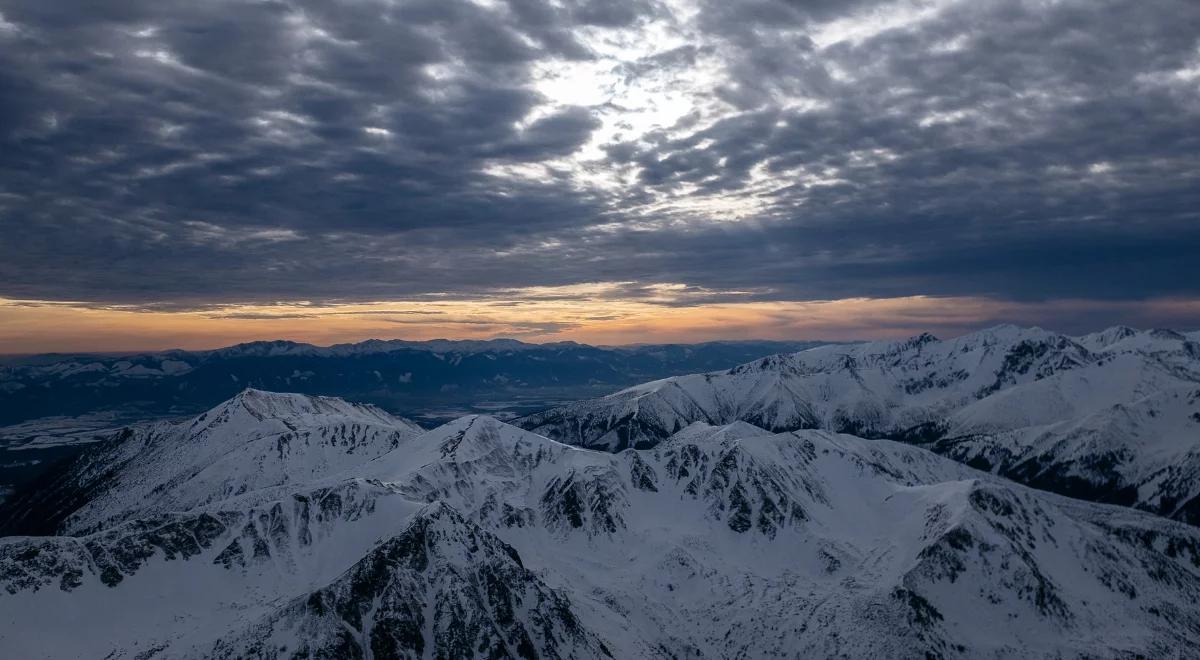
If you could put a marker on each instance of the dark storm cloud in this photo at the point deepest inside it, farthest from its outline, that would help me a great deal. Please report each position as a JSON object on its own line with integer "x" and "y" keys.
{"x": 185, "y": 154}
{"x": 1051, "y": 152}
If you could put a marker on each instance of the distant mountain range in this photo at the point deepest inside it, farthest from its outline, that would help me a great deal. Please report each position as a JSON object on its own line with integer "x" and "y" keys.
{"x": 287, "y": 526}
{"x": 432, "y": 378}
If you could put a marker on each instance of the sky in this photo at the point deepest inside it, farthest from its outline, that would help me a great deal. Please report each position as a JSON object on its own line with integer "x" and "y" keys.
{"x": 192, "y": 174}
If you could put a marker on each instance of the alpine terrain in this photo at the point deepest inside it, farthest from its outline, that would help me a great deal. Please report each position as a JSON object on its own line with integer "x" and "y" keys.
{"x": 286, "y": 526}
{"x": 1112, "y": 416}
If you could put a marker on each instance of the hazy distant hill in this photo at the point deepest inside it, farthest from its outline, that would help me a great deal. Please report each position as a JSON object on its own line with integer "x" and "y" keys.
{"x": 402, "y": 376}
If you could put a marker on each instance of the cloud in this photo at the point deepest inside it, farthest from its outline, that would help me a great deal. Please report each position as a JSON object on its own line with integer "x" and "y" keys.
{"x": 192, "y": 155}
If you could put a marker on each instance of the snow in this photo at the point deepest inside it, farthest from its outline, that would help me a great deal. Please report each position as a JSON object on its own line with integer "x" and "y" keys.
{"x": 1004, "y": 397}
{"x": 255, "y": 440}
{"x": 712, "y": 515}
{"x": 880, "y": 549}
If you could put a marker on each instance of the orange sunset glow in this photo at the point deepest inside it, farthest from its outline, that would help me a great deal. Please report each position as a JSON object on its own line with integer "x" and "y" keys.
{"x": 581, "y": 314}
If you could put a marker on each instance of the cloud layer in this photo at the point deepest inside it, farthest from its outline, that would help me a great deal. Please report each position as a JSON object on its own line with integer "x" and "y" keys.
{"x": 181, "y": 154}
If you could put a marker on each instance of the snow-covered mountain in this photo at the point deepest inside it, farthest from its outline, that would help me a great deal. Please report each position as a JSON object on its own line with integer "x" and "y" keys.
{"x": 253, "y": 441}
{"x": 479, "y": 539}
{"x": 1112, "y": 416}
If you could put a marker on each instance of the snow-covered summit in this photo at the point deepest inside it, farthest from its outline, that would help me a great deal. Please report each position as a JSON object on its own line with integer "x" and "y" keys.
{"x": 471, "y": 439}
{"x": 252, "y": 441}
{"x": 1103, "y": 339}
{"x": 253, "y": 406}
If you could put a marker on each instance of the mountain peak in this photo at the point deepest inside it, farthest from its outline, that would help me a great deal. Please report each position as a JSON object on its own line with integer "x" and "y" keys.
{"x": 1164, "y": 333}
{"x": 486, "y": 432}
{"x": 262, "y": 400}
{"x": 473, "y": 424}
{"x": 922, "y": 339}
{"x": 255, "y": 440}
{"x": 1107, "y": 337}
{"x": 1119, "y": 331}
{"x": 265, "y": 348}
{"x": 467, "y": 438}
{"x": 292, "y": 407}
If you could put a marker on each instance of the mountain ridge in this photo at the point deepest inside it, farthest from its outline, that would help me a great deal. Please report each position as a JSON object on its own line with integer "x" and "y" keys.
{"x": 396, "y": 374}
{"x": 1003, "y": 399}
{"x": 720, "y": 541}
{"x": 697, "y": 523}
{"x": 254, "y": 440}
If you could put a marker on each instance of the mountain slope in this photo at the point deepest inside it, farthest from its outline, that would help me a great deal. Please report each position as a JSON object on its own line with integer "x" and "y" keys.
{"x": 255, "y": 440}
{"x": 1112, "y": 416}
{"x": 441, "y": 588}
{"x": 719, "y": 542}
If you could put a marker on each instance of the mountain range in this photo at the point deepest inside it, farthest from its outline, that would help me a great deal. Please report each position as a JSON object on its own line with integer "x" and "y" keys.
{"x": 401, "y": 376}
{"x": 1111, "y": 417}
{"x": 52, "y": 404}
{"x": 480, "y": 539}
{"x": 842, "y": 501}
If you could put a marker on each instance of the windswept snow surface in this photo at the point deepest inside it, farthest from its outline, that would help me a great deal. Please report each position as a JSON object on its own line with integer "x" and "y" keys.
{"x": 1112, "y": 416}
{"x": 480, "y": 539}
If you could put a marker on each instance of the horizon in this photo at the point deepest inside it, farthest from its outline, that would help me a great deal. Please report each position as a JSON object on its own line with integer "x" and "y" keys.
{"x": 638, "y": 171}
{"x": 551, "y": 342}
